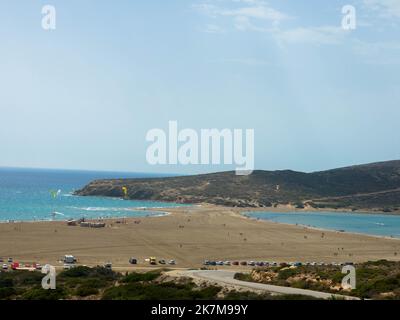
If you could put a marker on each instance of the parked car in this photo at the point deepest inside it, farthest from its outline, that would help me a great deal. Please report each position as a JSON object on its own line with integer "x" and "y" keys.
{"x": 213, "y": 263}
{"x": 172, "y": 262}
{"x": 227, "y": 263}
{"x": 69, "y": 259}
{"x": 37, "y": 266}
{"x": 10, "y": 260}
{"x": 235, "y": 263}
{"x": 1, "y": 260}
{"x": 220, "y": 263}
{"x": 206, "y": 263}
{"x": 243, "y": 263}
{"x": 133, "y": 261}
{"x": 15, "y": 265}
{"x": 162, "y": 261}
{"x": 251, "y": 263}
{"x": 5, "y": 266}
{"x": 108, "y": 265}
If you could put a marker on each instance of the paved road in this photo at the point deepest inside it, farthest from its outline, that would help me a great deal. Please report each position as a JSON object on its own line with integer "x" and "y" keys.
{"x": 226, "y": 277}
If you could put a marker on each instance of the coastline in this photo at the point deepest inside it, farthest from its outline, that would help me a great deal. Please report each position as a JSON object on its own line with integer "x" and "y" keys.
{"x": 98, "y": 219}
{"x": 291, "y": 208}
{"x": 319, "y": 228}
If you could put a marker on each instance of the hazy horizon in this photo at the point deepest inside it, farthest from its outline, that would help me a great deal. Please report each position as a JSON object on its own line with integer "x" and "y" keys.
{"x": 177, "y": 173}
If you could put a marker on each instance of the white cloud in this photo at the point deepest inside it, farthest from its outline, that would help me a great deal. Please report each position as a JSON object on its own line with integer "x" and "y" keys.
{"x": 257, "y": 12}
{"x": 242, "y": 10}
{"x": 312, "y": 35}
{"x": 244, "y": 24}
{"x": 213, "y": 28}
{"x": 386, "y": 8}
{"x": 206, "y": 9}
{"x": 259, "y": 16}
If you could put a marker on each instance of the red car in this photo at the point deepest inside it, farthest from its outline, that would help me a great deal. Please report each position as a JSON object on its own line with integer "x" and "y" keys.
{"x": 14, "y": 265}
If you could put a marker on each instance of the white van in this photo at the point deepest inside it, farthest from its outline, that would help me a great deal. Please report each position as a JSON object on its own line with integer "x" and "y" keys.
{"x": 69, "y": 259}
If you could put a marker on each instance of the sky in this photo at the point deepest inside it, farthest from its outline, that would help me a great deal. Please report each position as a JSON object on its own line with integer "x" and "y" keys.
{"x": 83, "y": 96}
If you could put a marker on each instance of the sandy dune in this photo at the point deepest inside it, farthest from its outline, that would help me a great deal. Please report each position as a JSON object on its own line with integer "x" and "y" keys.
{"x": 188, "y": 235}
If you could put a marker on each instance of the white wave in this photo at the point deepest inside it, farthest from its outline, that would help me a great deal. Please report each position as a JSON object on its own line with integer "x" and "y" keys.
{"x": 103, "y": 209}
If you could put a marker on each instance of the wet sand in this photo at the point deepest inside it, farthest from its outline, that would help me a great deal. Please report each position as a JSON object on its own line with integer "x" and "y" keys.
{"x": 188, "y": 235}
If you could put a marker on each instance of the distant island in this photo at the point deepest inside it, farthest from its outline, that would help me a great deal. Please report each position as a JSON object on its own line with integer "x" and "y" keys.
{"x": 374, "y": 186}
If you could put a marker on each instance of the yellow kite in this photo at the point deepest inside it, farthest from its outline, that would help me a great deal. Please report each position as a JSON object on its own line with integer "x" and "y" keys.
{"x": 125, "y": 191}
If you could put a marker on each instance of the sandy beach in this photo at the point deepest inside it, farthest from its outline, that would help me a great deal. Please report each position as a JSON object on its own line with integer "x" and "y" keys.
{"x": 188, "y": 235}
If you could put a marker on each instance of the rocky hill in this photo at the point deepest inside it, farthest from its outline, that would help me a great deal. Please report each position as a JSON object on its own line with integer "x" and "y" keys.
{"x": 374, "y": 186}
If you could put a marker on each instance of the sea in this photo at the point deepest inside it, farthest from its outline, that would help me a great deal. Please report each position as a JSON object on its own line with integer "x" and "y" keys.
{"x": 363, "y": 223}
{"x": 45, "y": 195}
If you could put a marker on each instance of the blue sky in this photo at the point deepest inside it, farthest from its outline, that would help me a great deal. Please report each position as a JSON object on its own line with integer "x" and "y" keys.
{"x": 84, "y": 95}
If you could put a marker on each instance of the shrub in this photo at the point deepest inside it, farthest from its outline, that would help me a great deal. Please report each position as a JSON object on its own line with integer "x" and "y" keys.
{"x": 7, "y": 292}
{"x": 137, "y": 277}
{"x": 41, "y": 294}
{"x": 86, "y": 272}
{"x": 287, "y": 273}
{"x": 6, "y": 282}
{"x": 85, "y": 290}
{"x": 76, "y": 272}
{"x": 243, "y": 276}
{"x": 163, "y": 291}
{"x": 246, "y": 295}
{"x": 27, "y": 278}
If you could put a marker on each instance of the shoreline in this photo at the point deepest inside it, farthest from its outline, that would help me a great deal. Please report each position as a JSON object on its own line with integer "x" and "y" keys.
{"x": 293, "y": 209}
{"x": 279, "y": 209}
{"x": 320, "y": 229}
{"x": 156, "y": 214}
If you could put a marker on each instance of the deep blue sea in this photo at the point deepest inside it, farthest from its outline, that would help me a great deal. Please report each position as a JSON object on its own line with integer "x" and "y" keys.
{"x": 25, "y": 195}
{"x": 372, "y": 224}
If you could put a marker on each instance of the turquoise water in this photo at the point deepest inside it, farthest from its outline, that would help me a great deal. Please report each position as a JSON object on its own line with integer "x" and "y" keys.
{"x": 25, "y": 196}
{"x": 372, "y": 224}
